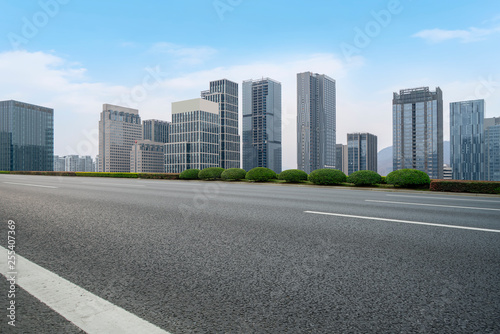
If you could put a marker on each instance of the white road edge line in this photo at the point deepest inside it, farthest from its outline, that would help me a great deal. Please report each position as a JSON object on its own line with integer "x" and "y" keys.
{"x": 30, "y": 185}
{"x": 87, "y": 311}
{"x": 405, "y": 221}
{"x": 447, "y": 198}
{"x": 438, "y": 205}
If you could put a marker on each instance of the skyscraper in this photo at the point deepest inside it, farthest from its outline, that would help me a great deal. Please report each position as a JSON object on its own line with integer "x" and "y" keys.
{"x": 262, "y": 124}
{"x": 492, "y": 148}
{"x": 362, "y": 152}
{"x": 155, "y": 130}
{"x": 119, "y": 128}
{"x": 466, "y": 140}
{"x": 225, "y": 93}
{"x": 316, "y": 121}
{"x": 194, "y": 136}
{"x": 26, "y": 137}
{"x": 341, "y": 161}
{"x": 417, "y": 118}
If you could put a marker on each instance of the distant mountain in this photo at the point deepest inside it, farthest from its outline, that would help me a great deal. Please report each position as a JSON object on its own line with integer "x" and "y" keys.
{"x": 384, "y": 158}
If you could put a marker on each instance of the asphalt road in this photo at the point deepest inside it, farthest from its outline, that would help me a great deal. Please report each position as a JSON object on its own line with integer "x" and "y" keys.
{"x": 213, "y": 257}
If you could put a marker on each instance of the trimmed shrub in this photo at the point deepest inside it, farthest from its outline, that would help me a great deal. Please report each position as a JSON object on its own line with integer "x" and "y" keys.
{"x": 233, "y": 174}
{"x": 293, "y": 175}
{"x": 408, "y": 178}
{"x": 364, "y": 178}
{"x": 484, "y": 187}
{"x": 49, "y": 173}
{"x": 211, "y": 173}
{"x": 189, "y": 174}
{"x": 382, "y": 180}
{"x": 162, "y": 176}
{"x": 327, "y": 176}
{"x": 260, "y": 174}
{"x": 4, "y": 172}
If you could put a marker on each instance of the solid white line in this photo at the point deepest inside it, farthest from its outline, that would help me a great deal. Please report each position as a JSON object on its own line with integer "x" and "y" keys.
{"x": 31, "y": 185}
{"x": 443, "y": 206}
{"x": 87, "y": 311}
{"x": 405, "y": 221}
{"x": 447, "y": 198}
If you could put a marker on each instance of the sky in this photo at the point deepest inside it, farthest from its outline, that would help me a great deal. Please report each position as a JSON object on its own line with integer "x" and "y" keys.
{"x": 74, "y": 56}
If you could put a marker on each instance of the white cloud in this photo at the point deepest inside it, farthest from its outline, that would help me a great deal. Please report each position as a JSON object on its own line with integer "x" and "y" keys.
{"x": 184, "y": 55}
{"x": 464, "y": 36}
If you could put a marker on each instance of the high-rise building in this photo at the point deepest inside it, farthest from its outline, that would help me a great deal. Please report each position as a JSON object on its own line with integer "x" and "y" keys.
{"x": 225, "y": 93}
{"x": 262, "y": 124}
{"x": 155, "y": 130}
{"x": 492, "y": 148}
{"x": 26, "y": 137}
{"x": 147, "y": 156}
{"x": 59, "y": 163}
{"x": 119, "y": 128}
{"x": 194, "y": 136}
{"x": 341, "y": 155}
{"x": 417, "y": 117}
{"x": 466, "y": 140}
{"x": 316, "y": 121}
{"x": 362, "y": 152}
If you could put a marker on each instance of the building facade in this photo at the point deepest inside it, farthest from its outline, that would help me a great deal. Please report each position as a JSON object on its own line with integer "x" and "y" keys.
{"x": 316, "y": 121}
{"x": 342, "y": 162}
{"x": 362, "y": 152}
{"x": 119, "y": 128}
{"x": 418, "y": 130}
{"x": 225, "y": 93}
{"x": 262, "y": 124}
{"x": 26, "y": 137}
{"x": 194, "y": 136}
{"x": 147, "y": 156}
{"x": 59, "y": 164}
{"x": 492, "y": 148}
{"x": 155, "y": 130}
{"x": 467, "y": 140}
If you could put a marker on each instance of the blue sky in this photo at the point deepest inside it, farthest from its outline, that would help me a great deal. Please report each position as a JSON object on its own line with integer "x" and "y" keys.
{"x": 75, "y": 55}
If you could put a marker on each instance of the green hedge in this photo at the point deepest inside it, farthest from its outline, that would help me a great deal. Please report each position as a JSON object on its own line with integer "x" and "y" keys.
{"x": 484, "y": 187}
{"x": 260, "y": 174}
{"x": 211, "y": 173}
{"x": 408, "y": 178}
{"x": 364, "y": 178}
{"x": 49, "y": 173}
{"x": 327, "y": 176}
{"x": 233, "y": 174}
{"x": 189, "y": 174}
{"x": 293, "y": 175}
{"x": 162, "y": 176}
{"x": 4, "y": 172}
{"x": 118, "y": 175}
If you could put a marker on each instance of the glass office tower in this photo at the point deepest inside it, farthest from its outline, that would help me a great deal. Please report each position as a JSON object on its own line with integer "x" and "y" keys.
{"x": 194, "y": 136}
{"x": 26, "y": 137}
{"x": 316, "y": 122}
{"x": 262, "y": 124}
{"x": 361, "y": 152}
{"x": 225, "y": 93}
{"x": 466, "y": 140}
{"x": 155, "y": 130}
{"x": 492, "y": 148}
{"x": 417, "y": 118}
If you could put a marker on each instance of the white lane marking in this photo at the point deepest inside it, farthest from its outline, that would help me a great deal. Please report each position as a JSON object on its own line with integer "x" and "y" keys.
{"x": 438, "y": 205}
{"x": 447, "y": 198}
{"x": 87, "y": 311}
{"x": 405, "y": 221}
{"x": 30, "y": 185}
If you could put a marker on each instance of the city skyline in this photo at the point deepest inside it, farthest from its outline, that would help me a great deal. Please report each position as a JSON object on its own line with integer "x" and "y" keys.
{"x": 148, "y": 69}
